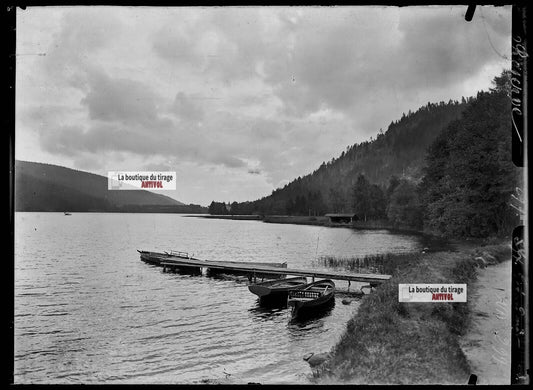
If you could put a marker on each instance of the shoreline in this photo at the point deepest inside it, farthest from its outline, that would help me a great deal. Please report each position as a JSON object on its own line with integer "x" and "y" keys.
{"x": 233, "y": 217}
{"x": 315, "y": 221}
{"x": 388, "y": 342}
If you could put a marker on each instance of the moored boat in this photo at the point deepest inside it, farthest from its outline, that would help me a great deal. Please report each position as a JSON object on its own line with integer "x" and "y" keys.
{"x": 277, "y": 289}
{"x": 152, "y": 257}
{"x": 311, "y": 297}
{"x": 157, "y": 258}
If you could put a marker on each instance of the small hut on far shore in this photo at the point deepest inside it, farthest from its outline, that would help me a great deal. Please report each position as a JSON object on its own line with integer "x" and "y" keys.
{"x": 342, "y": 218}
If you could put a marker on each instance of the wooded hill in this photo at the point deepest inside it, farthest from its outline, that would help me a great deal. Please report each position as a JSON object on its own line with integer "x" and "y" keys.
{"x": 400, "y": 151}
{"x": 46, "y": 187}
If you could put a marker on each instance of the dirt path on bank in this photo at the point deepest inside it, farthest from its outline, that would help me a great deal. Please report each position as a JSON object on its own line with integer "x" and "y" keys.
{"x": 487, "y": 343}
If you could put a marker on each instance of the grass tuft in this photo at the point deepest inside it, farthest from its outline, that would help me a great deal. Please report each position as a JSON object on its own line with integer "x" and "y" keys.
{"x": 385, "y": 263}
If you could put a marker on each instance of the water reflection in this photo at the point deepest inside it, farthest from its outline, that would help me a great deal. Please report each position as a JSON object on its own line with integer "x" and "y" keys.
{"x": 221, "y": 276}
{"x": 306, "y": 317}
{"x": 300, "y": 328}
{"x": 266, "y": 313}
{"x": 273, "y": 302}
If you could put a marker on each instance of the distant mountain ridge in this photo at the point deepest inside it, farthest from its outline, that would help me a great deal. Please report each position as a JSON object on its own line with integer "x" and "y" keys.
{"x": 47, "y": 187}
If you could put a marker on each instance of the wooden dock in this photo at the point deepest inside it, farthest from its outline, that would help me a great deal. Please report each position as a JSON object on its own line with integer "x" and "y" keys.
{"x": 253, "y": 270}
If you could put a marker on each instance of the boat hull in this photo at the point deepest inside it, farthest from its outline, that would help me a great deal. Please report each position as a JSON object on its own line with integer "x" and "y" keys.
{"x": 309, "y": 299}
{"x": 306, "y": 312}
{"x": 151, "y": 257}
{"x": 311, "y": 305}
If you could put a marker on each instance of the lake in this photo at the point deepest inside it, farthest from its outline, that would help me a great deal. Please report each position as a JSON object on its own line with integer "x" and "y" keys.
{"x": 87, "y": 310}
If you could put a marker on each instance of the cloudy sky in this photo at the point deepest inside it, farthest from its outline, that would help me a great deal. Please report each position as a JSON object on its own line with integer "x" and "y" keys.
{"x": 237, "y": 101}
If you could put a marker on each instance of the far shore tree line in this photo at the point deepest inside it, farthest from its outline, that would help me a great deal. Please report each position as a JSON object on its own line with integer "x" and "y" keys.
{"x": 461, "y": 188}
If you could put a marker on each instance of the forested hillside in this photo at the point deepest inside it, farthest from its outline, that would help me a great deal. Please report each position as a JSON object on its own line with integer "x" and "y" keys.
{"x": 399, "y": 151}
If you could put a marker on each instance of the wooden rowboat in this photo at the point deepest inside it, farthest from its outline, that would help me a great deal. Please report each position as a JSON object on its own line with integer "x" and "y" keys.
{"x": 156, "y": 258}
{"x": 277, "y": 289}
{"x": 311, "y": 297}
{"x": 152, "y": 257}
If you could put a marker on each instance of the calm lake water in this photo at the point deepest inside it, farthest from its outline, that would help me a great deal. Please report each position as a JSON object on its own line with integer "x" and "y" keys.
{"x": 87, "y": 310}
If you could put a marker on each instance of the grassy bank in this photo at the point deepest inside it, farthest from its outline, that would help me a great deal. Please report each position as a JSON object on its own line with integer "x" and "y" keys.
{"x": 388, "y": 342}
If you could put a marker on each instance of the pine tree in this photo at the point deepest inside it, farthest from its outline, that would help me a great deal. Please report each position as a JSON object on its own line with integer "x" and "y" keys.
{"x": 470, "y": 176}
{"x": 361, "y": 197}
{"x": 404, "y": 206}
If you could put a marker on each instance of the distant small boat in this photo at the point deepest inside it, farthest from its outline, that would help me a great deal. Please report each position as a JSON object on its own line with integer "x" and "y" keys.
{"x": 313, "y": 296}
{"x": 67, "y": 213}
{"x": 276, "y": 289}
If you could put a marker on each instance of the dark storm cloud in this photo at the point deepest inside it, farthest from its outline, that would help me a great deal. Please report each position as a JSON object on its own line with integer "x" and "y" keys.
{"x": 61, "y": 140}
{"x": 123, "y": 100}
{"x": 175, "y": 48}
{"x": 225, "y": 42}
{"x": 84, "y": 36}
{"x": 187, "y": 108}
{"x": 445, "y": 49}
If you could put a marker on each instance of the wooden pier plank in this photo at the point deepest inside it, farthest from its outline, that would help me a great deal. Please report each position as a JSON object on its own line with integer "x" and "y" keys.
{"x": 243, "y": 267}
